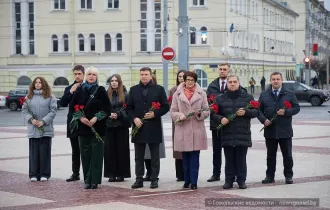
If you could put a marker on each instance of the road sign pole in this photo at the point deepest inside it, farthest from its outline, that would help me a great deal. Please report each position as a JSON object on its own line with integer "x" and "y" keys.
{"x": 165, "y": 42}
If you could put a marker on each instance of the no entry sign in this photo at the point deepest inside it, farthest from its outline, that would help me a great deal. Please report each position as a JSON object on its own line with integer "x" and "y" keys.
{"x": 168, "y": 53}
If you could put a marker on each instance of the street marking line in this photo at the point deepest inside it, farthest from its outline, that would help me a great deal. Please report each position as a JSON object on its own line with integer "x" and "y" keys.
{"x": 156, "y": 194}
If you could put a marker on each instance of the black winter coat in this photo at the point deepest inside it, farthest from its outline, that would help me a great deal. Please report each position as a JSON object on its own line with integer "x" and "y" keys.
{"x": 214, "y": 88}
{"x": 65, "y": 101}
{"x": 139, "y": 102}
{"x": 100, "y": 102}
{"x": 269, "y": 105}
{"x": 122, "y": 121}
{"x": 238, "y": 131}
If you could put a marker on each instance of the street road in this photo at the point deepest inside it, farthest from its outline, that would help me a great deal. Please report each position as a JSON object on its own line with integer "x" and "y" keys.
{"x": 307, "y": 112}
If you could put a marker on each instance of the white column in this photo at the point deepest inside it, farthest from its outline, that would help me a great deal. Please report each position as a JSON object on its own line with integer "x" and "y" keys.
{"x": 87, "y": 46}
{"x": 150, "y": 26}
{"x": 60, "y": 44}
{"x": 114, "y": 43}
{"x": 25, "y": 27}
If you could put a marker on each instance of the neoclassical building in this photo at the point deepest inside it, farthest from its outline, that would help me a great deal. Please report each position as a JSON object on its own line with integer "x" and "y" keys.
{"x": 48, "y": 38}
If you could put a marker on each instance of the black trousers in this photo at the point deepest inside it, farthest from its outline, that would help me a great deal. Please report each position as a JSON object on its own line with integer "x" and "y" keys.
{"x": 217, "y": 152}
{"x": 139, "y": 160}
{"x": 286, "y": 148}
{"x": 179, "y": 169}
{"x": 75, "y": 155}
{"x": 235, "y": 164}
{"x": 117, "y": 153}
{"x": 40, "y": 157}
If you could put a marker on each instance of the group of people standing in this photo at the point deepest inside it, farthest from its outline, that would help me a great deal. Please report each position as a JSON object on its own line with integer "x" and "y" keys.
{"x": 137, "y": 109}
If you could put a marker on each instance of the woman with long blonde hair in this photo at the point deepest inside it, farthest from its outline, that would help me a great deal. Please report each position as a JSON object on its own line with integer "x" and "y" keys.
{"x": 116, "y": 151}
{"x": 39, "y": 110}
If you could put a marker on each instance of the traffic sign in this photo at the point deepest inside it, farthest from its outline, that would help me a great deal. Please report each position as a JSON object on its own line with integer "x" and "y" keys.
{"x": 168, "y": 53}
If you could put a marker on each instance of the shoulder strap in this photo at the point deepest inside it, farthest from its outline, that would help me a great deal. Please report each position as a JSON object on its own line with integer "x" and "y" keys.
{"x": 91, "y": 97}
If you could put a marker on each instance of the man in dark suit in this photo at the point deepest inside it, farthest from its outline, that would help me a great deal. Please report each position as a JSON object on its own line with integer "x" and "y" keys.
{"x": 278, "y": 132}
{"x": 217, "y": 87}
{"x": 150, "y": 131}
{"x": 78, "y": 72}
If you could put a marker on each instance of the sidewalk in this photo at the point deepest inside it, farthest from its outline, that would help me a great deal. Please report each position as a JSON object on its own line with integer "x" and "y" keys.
{"x": 311, "y": 146}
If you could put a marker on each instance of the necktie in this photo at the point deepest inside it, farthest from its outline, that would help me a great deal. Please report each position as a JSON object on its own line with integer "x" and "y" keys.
{"x": 222, "y": 86}
{"x": 275, "y": 93}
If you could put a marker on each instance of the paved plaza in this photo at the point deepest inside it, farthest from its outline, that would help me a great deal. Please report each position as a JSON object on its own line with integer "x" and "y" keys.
{"x": 311, "y": 152}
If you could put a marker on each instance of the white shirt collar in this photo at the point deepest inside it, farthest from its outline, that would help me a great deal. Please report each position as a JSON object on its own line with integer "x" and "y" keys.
{"x": 279, "y": 90}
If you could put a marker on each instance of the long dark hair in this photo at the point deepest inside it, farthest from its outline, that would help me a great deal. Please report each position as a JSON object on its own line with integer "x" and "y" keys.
{"x": 46, "y": 90}
{"x": 120, "y": 89}
{"x": 177, "y": 77}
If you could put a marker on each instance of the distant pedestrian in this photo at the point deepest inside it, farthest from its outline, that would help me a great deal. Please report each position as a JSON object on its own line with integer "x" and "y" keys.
{"x": 252, "y": 84}
{"x": 263, "y": 83}
{"x": 40, "y": 109}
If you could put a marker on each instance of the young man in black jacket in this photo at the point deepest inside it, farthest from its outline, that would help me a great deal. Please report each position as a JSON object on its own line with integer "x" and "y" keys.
{"x": 78, "y": 72}
{"x": 217, "y": 87}
{"x": 278, "y": 132}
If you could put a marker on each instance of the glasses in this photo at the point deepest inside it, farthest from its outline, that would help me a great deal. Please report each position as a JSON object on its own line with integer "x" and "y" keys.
{"x": 190, "y": 80}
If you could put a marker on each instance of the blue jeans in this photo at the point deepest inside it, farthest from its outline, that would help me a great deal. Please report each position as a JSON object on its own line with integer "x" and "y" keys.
{"x": 190, "y": 166}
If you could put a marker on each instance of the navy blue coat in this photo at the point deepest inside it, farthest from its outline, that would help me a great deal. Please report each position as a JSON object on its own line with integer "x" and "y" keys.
{"x": 269, "y": 105}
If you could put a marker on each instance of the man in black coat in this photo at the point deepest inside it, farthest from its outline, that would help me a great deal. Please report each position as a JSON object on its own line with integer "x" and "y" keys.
{"x": 217, "y": 87}
{"x": 236, "y": 134}
{"x": 280, "y": 130}
{"x": 150, "y": 131}
{"x": 69, "y": 91}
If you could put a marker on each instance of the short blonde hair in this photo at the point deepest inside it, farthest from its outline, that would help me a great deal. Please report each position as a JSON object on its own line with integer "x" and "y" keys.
{"x": 92, "y": 69}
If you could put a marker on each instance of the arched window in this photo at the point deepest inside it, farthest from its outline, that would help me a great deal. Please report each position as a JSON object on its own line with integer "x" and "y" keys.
{"x": 204, "y": 35}
{"x": 119, "y": 42}
{"x": 54, "y": 43}
{"x": 61, "y": 81}
{"x": 24, "y": 81}
{"x": 65, "y": 43}
{"x": 202, "y": 78}
{"x": 81, "y": 43}
{"x": 107, "y": 43}
{"x": 92, "y": 42}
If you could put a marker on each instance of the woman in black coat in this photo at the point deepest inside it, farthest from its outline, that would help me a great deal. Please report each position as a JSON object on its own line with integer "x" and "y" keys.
{"x": 91, "y": 148}
{"x": 116, "y": 150}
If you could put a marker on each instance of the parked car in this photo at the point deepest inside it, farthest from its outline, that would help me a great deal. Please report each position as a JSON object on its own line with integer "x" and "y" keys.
{"x": 2, "y": 101}
{"x": 305, "y": 93}
{"x": 12, "y": 100}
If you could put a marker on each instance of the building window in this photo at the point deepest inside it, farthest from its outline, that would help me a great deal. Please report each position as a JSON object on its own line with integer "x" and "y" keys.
{"x": 112, "y": 4}
{"x": 192, "y": 35}
{"x": 158, "y": 26}
{"x": 198, "y": 2}
{"x": 81, "y": 42}
{"x": 18, "y": 41}
{"x": 31, "y": 27}
{"x": 59, "y": 4}
{"x": 143, "y": 25}
{"x": 61, "y": 81}
{"x": 23, "y": 81}
{"x": 202, "y": 78}
{"x": 86, "y": 4}
{"x": 119, "y": 38}
{"x": 204, "y": 35}
{"x": 54, "y": 43}
{"x": 66, "y": 43}
{"x": 92, "y": 42}
{"x": 107, "y": 43}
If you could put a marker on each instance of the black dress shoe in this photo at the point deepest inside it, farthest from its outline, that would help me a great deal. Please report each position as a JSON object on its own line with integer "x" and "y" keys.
{"x": 87, "y": 186}
{"x": 288, "y": 180}
{"x": 154, "y": 184}
{"x": 213, "y": 178}
{"x": 147, "y": 178}
{"x": 73, "y": 177}
{"x": 242, "y": 185}
{"x": 137, "y": 184}
{"x": 112, "y": 179}
{"x": 193, "y": 186}
{"x": 227, "y": 185}
{"x": 119, "y": 179}
{"x": 186, "y": 185}
{"x": 94, "y": 186}
{"x": 268, "y": 180}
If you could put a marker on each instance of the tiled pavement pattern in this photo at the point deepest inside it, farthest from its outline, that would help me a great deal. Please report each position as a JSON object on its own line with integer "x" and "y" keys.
{"x": 311, "y": 179}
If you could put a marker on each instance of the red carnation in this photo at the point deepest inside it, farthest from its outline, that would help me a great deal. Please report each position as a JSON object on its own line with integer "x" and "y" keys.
{"x": 169, "y": 100}
{"x": 287, "y": 104}
{"x": 255, "y": 104}
{"x": 81, "y": 107}
{"x": 76, "y": 107}
{"x": 215, "y": 108}
{"x": 212, "y": 98}
{"x": 155, "y": 105}
{"x": 125, "y": 105}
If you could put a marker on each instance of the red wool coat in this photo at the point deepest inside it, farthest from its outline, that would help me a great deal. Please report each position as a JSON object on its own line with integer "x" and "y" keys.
{"x": 189, "y": 135}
